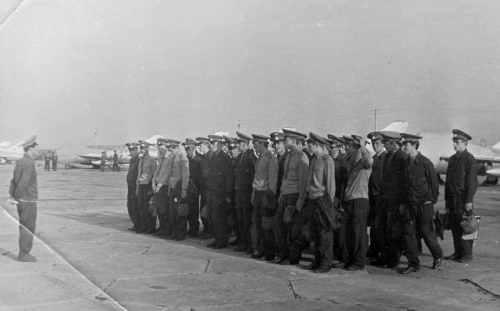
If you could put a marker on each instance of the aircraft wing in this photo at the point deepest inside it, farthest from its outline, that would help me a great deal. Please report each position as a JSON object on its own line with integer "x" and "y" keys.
{"x": 90, "y": 156}
{"x": 479, "y": 159}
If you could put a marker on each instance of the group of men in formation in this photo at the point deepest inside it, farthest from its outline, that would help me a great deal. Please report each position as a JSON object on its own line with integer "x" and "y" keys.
{"x": 50, "y": 156}
{"x": 306, "y": 188}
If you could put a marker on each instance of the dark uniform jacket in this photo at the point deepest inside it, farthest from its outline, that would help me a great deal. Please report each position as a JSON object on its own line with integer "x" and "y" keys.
{"x": 461, "y": 177}
{"x": 421, "y": 182}
{"x": 196, "y": 171}
{"x": 220, "y": 174}
{"x": 340, "y": 176}
{"x": 376, "y": 176}
{"x": 133, "y": 170}
{"x": 392, "y": 185}
{"x": 308, "y": 154}
{"x": 24, "y": 184}
{"x": 115, "y": 157}
{"x": 245, "y": 170}
{"x": 281, "y": 169}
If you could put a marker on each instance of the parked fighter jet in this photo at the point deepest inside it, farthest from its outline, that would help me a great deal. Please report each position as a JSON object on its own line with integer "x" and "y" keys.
{"x": 83, "y": 155}
{"x": 11, "y": 153}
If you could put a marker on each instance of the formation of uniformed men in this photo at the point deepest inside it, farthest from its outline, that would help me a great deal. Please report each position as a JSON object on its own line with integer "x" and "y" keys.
{"x": 292, "y": 189}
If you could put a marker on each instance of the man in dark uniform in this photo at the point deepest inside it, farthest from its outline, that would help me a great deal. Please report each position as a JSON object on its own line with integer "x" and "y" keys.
{"x": 24, "y": 190}
{"x": 293, "y": 193}
{"x": 459, "y": 191}
{"x": 219, "y": 188}
{"x": 339, "y": 249}
{"x": 54, "y": 160}
{"x": 47, "y": 159}
{"x": 374, "y": 193}
{"x": 264, "y": 197}
{"x": 232, "y": 215}
{"x": 115, "y": 162}
{"x": 208, "y": 154}
{"x": 196, "y": 178}
{"x": 301, "y": 145}
{"x": 103, "y": 161}
{"x": 243, "y": 187}
{"x": 144, "y": 191}
{"x": 321, "y": 190}
{"x": 421, "y": 193}
{"x": 391, "y": 199}
{"x": 132, "y": 185}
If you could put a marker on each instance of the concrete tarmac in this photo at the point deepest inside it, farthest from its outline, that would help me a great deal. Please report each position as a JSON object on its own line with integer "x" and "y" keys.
{"x": 88, "y": 260}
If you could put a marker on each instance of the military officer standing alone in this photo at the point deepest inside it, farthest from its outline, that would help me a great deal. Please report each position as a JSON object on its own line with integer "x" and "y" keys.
{"x": 103, "y": 160}
{"x": 115, "y": 162}
{"x": 459, "y": 191}
{"x": 219, "y": 188}
{"x": 24, "y": 189}
{"x": 421, "y": 193}
{"x": 132, "y": 185}
{"x": 47, "y": 160}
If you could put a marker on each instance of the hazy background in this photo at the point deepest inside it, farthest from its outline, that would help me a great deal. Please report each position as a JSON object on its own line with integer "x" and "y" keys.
{"x": 130, "y": 69}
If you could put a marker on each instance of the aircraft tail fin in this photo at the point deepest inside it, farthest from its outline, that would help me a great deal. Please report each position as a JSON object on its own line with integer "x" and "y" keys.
{"x": 496, "y": 146}
{"x": 396, "y": 126}
{"x": 16, "y": 145}
{"x": 153, "y": 139}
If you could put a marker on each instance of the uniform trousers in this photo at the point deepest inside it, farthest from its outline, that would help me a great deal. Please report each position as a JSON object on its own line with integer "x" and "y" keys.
{"x": 389, "y": 231}
{"x": 206, "y": 221}
{"x": 47, "y": 165}
{"x": 162, "y": 208}
{"x": 132, "y": 206}
{"x": 54, "y": 165}
{"x": 218, "y": 211}
{"x": 322, "y": 237}
{"x": 456, "y": 207}
{"x": 175, "y": 223}
{"x": 356, "y": 214}
{"x": 339, "y": 246}
{"x": 147, "y": 221}
{"x": 373, "y": 250}
{"x": 244, "y": 212}
{"x": 420, "y": 223}
{"x": 288, "y": 234}
{"x": 27, "y": 223}
{"x": 265, "y": 205}
{"x": 194, "y": 211}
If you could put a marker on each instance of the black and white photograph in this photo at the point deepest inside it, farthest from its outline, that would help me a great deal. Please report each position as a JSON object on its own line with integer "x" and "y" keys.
{"x": 206, "y": 155}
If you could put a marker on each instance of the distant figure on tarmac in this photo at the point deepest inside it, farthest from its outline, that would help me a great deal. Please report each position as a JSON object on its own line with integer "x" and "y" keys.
{"x": 47, "y": 159}
{"x": 115, "y": 162}
{"x": 54, "y": 160}
{"x": 24, "y": 190}
{"x": 103, "y": 160}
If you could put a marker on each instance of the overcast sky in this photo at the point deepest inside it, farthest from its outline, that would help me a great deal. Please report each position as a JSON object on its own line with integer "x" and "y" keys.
{"x": 127, "y": 70}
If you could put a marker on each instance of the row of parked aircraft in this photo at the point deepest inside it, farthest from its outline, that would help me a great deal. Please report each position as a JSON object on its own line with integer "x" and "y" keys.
{"x": 436, "y": 146}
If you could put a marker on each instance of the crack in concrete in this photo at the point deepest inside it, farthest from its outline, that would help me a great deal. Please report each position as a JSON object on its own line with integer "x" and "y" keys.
{"x": 480, "y": 288}
{"x": 99, "y": 297}
{"x": 295, "y": 295}
{"x": 206, "y": 267}
{"x": 147, "y": 249}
